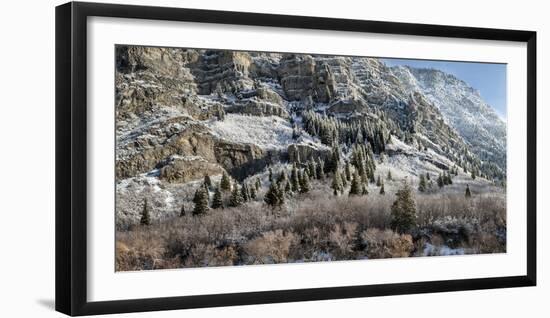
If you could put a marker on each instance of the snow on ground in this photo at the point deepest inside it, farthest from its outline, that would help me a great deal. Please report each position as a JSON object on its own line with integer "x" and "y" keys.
{"x": 409, "y": 163}
{"x": 129, "y": 129}
{"x": 163, "y": 198}
{"x": 269, "y": 132}
{"x": 443, "y": 250}
{"x": 409, "y": 168}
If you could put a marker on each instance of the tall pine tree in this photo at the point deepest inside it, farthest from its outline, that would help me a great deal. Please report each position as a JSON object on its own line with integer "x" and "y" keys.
{"x": 245, "y": 192}
{"x": 337, "y": 183}
{"x": 207, "y": 181}
{"x": 201, "y": 201}
{"x": 294, "y": 179}
{"x": 355, "y": 188}
{"x": 440, "y": 182}
{"x": 304, "y": 182}
{"x": 312, "y": 166}
{"x": 321, "y": 170}
{"x": 236, "y": 198}
{"x": 403, "y": 210}
{"x": 217, "y": 200}
{"x": 252, "y": 192}
{"x": 422, "y": 184}
{"x": 225, "y": 183}
{"x": 274, "y": 196}
{"x": 347, "y": 171}
{"x": 145, "y": 217}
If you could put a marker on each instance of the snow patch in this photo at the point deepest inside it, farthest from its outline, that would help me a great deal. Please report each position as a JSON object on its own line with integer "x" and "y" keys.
{"x": 269, "y": 132}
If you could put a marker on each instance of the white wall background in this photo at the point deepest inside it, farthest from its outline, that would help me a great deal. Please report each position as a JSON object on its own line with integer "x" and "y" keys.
{"x": 27, "y": 158}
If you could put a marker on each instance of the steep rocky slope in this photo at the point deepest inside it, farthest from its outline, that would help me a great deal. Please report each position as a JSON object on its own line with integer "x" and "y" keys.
{"x": 464, "y": 110}
{"x": 184, "y": 113}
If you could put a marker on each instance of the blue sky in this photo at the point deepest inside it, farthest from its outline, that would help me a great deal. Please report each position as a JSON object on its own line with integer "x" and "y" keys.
{"x": 488, "y": 78}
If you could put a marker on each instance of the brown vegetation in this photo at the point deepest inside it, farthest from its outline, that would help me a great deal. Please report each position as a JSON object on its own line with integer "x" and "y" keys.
{"x": 316, "y": 228}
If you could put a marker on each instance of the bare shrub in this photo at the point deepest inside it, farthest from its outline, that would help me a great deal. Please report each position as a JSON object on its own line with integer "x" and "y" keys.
{"x": 139, "y": 250}
{"x": 210, "y": 255}
{"x": 342, "y": 240}
{"x": 315, "y": 227}
{"x": 271, "y": 247}
{"x": 387, "y": 244}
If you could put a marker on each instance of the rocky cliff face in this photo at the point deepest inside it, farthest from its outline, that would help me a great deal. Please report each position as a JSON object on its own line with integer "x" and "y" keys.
{"x": 185, "y": 113}
{"x": 464, "y": 110}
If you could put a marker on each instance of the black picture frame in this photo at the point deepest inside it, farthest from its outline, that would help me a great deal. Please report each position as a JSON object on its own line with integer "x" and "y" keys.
{"x": 71, "y": 157}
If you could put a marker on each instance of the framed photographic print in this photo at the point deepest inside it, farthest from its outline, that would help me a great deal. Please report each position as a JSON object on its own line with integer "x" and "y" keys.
{"x": 209, "y": 158}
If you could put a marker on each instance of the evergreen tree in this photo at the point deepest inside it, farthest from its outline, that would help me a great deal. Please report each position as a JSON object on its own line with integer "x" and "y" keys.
{"x": 236, "y": 198}
{"x": 207, "y": 181}
{"x": 270, "y": 175}
{"x": 280, "y": 195}
{"x": 225, "y": 183}
{"x": 344, "y": 181}
{"x": 294, "y": 179}
{"x": 403, "y": 210}
{"x": 182, "y": 210}
{"x": 245, "y": 192}
{"x": 389, "y": 177}
{"x": 370, "y": 173}
{"x": 362, "y": 170}
{"x": 449, "y": 178}
{"x": 217, "y": 200}
{"x": 358, "y": 242}
{"x": 347, "y": 171}
{"x": 321, "y": 170}
{"x": 468, "y": 194}
{"x": 145, "y": 217}
{"x": 473, "y": 174}
{"x": 270, "y": 196}
{"x": 337, "y": 183}
{"x": 334, "y": 161}
{"x": 422, "y": 184}
{"x": 201, "y": 201}
{"x": 440, "y": 183}
{"x": 288, "y": 188}
{"x": 427, "y": 176}
{"x": 312, "y": 169}
{"x": 355, "y": 188}
{"x": 304, "y": 182}
{"x": 252, "y": 193}
{"x": 258, "y": 183}
{"x": 382, "y": 191}
{"x": 273, "y": 196}
{"x": 378, "y": 181}
{"x": 282, "y": 177}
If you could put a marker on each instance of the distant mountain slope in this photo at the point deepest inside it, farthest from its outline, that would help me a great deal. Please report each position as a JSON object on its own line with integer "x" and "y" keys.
{"x": 463, "y": 108}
